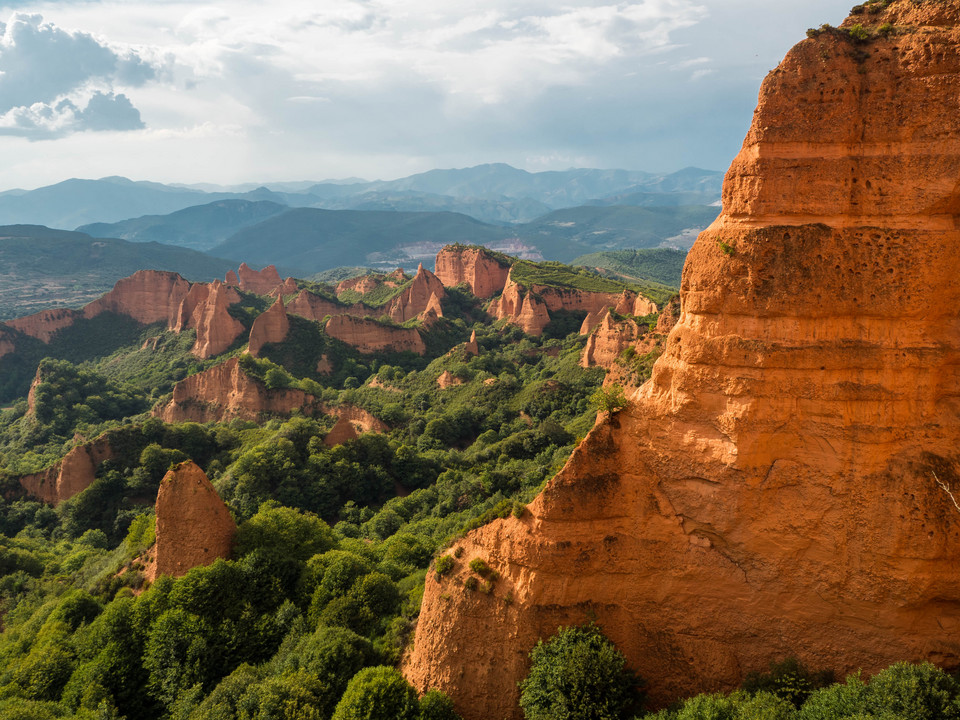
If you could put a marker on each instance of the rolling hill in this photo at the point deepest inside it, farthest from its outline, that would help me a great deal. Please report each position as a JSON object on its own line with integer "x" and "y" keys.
{"x": 41, "y": 268}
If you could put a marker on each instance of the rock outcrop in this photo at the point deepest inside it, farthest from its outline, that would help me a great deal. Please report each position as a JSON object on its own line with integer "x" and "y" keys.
{"x": 424, "y": 293}
{"x": 261, "y": 282}
{"x": 194, "y": 527}
{"x": 8, "y": 341}
{"x": 206, "y": 310}
{"x": 609, "y": 338}
{"x": 362, "y": 284}
{"x": 530, "y": 307}
{"x": 270, "y": 326}
{"x": 225, "y": 392}
{"x": 315, "y": 307}
{"x": 362, "y": 420}
{"x": 448, "y": 379}
{"x": 287, "y": 287}
{"x": 147, "y": 296}
{"x": 472, "y": 347}
{"x": 481, "y": 271}
{"x": 784, "y": 484}
{"x": 45, "y": 324}
{"x": 72, "y": 475}
{"x": 370, "y": 336}
{"x": 342, "y": 431}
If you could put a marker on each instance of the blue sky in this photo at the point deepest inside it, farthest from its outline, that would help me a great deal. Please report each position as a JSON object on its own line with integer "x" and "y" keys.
{"x": 181, "y": 91}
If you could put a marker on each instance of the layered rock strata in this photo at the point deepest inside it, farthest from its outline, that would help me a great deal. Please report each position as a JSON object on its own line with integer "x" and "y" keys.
{"x": 785, "y": 482}
{"x": 194, "y": 526}
{"x": 482, "y": 273}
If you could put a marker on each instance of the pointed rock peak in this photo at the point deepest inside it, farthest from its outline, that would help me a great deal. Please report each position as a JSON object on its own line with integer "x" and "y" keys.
{"x": 473, "y": 336}
{"x": 231, "y": 278}
{"x": 419, "y": 268}
{"x": 278, "y": 305}
{"x": 244, "y": 267}
{"x": 194, "y": 527}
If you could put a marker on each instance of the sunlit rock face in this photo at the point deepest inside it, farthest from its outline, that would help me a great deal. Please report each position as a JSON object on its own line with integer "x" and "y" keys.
{"x": 784, "y": 484}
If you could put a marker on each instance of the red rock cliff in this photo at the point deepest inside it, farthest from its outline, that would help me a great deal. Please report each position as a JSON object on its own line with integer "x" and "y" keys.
{"x": 425, "y": 292}
{"x": 72, "y": 475}
{"x": 225, "y": 392}
{"x": 147, "y": 296}
{"x": 370, "y": 336}
{"x": 194, "y": 527}
{"x": 271, "y": 326}
{"x": 782, "y": 485}
{"x": 483, "y": 273}
{"x": 260, "y": 282}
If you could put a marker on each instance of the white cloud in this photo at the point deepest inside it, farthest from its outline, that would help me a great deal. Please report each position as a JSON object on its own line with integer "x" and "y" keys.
{"x": 53, "y": 82}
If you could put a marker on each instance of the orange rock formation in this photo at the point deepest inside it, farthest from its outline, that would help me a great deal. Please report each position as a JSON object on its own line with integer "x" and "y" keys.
{"x": 448, "y": 379}
{"x": 260, "y": 282}
{"x": 476, "y": 267}
{"x": 271, "y": 326}
{"x": 342, "y": 431}
{"x": 784, "y": 484}
{"x": 72, "y": 475}
{"x": 425, "y": 292}
{"x": 370, "y": 336}
{"x": 314, "y": 307}
{"x": 44, "y": 324}
{"x": 205, "y": 309}
{"x": 609, "y": 338}
{"x": 287, "y": 287}
{"x": 362, "y": 284}
{"x": 194, "y": 527}
{"x": 225, "y": 392}
{"x": 472, "y": 347}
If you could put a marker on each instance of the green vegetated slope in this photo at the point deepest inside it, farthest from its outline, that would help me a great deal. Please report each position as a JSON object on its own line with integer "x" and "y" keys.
{"x": 310, "y": 617}
{"x": 334, "y": 543}
{"x": 565, "y": 234}
{"x": 200, "y": 227}
{"x": 41, "y": 268}
{"x": 662, "y": 265}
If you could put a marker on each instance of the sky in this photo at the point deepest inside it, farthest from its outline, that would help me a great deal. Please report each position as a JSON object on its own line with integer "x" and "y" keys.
{"x": 249, "y": 91}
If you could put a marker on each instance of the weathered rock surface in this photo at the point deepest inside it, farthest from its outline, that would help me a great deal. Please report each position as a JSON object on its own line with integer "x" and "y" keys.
{"x": 472, "y": 347}
{"x": 147, "y": 296}
{"x": 782, "y": 485}
{"x": 362, "y": 284}
{"x": 72, "y": 475}
{"x": 260, "y": 282}
{"x": 314, "y": 307}
{"x": 287, "y": 287}
{"x": 270, "y": 326}
{"x": 423, "y": 294}
{"x": 448, "y": 379}
{"x": 370, "y": 336}
{"x": 362, "y": 420}
{"x": 8, "y": 341}
{"x": 206, "y": 309}
{"x": 476, "y": 267}
{"x": 194, "y": 527}
{"x": 44, "y": 324}
{"x": 342, "y": 431}
{"x": 225, "y": 392}
{"x": 530, "y": 307}
{"x": 609, "y": 338}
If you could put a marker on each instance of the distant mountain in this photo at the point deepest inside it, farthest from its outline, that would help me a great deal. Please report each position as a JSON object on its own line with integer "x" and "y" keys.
{"x": 564, "y": 234}
{"x": 303, "y": 241}
{"x": 499, "y": 211}
{"x": 41, "y": 267}
{"x": 200, "y": 227}
{"x": 73, "y": 203}
{"x": 661, "y": 265}
{"x": 306, "y": 240}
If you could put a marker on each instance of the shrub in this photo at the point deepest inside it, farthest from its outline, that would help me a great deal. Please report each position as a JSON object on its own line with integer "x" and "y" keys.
{"x": 378, "y": 693}
{"x": 442, "y": 566}
{"x": 858, "y": 33}
{"x": 578, "y": 675}
{"x": 480, "y": 567}
{"x": 609, "y": 400}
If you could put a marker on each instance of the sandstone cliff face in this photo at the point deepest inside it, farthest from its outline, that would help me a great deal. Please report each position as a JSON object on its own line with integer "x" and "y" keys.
{"x": 260, "y": 282}
{"x": 271, "y": 326}
{"x": 780, "y": 486}
{"x": 608, "y": 340}
{"x": 314, "y": 307}
{"x": 225, "y": 392}
{"x": 44, "y": 324}
{"x": 370, "y": 336}
{"x": 216, "y": 328}
{"x": 474, "y": 266}
{"x": 72, "y": 475}
{"x": 520, "y": 307}
{"x": 147, "y": 296}
{"x": 423, "y": 294}
{"x": 362, "y": 284}
{"x": 194, "y": 527}
{"x": 472, "y": 347}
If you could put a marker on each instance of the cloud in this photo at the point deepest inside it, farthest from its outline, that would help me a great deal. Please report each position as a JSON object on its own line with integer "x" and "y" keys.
{"x": 46, "y": 121}
{"x": 53, "y": 81}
